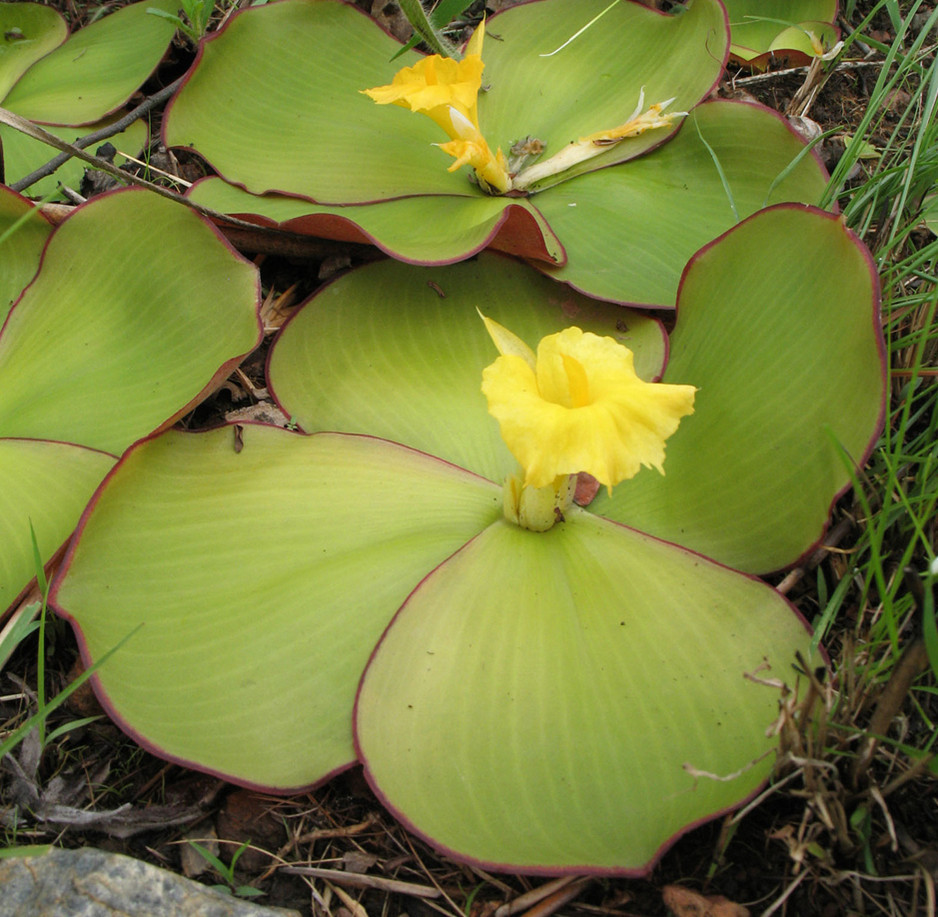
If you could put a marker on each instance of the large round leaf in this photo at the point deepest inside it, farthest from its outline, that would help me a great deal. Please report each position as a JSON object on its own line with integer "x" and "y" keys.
{"x": 661, "y": 208}
{"x": 593, "y": 84}
{"x": 547, "y": 702}
{"x": 97, "y": 69}
{"x": 29, "y": 32}
{"x": 118, "y": 335}
{"x": 779, "y": 328}
{"x": 398, "y": 352}
{"x": 253, "y": 640}
{"x": 274, "y": 101}
{"x": 408, "y": 228}
{"x": 23, "y": 231}
{"x": 46, "y": 484}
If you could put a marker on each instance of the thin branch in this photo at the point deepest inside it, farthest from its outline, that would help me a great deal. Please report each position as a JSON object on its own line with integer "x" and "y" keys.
{"x": 775, "y": 74}
{"x": 37, "y": 133}
{"x": 298, "y": 245}
{"x": 97, "y": 136}
{"x": 258, "y": 240}
{"x": 361, "y": 880}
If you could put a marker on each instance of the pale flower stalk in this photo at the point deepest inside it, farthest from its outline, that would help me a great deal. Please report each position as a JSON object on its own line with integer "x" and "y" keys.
{"x": 585, "y": 148}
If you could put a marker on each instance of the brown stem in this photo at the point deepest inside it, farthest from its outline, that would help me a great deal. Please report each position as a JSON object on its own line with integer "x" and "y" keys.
{"x": 97, "y": 136}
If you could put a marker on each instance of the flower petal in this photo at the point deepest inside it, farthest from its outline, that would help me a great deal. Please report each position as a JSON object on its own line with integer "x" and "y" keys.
{"x": 434, "y": 81}
{"x": 582, "y": 409}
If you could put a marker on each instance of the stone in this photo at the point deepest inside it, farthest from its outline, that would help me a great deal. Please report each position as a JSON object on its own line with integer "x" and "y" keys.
{"x": 91, "y": 883}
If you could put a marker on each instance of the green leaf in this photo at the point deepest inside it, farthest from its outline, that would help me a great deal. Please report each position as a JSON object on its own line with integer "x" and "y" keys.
{"x": 47, "y": 484}
{"x": 68, "y": 727}
{"x": 663, "y": 207}
{"x": 761, "y": 26}
{"x": 547, "y": 702}
{"x": 117, "y": 336}
{"x": 274, "y": 104}
{"x": 213, "y": 861}
{"x": 593, "y": 84}
{"x": 252, "y": 647}
{"x": 28, "y": 31}
{"x": 408, "y": 229}
{"x": 445, "y": 11}
{"x": 779, "y": 328}
{"x": 801, "y": 42}
{"x": 929, "y": 617}
{"x": 23, "y": 154}
{"x": 23, "y": 234}
{"x": 330, "y": 366}
{"x": 96, "y": 70}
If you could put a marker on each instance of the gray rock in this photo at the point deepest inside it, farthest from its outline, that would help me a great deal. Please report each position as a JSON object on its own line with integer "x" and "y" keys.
{"x": 92, "y": 883}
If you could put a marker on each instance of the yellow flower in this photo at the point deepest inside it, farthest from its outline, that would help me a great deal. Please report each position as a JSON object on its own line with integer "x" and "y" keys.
{"x": 579, "y": 406}
{"x": 447, "y": 91}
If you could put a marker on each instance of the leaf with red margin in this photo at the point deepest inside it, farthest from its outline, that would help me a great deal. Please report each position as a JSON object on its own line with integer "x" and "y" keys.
{"x": 96, "y": 69}
{"x": 629, "y": 230}
{"x": 407, "y": 229}
{"x": 82, "y": 81}
{"x": 766, "y": 30}
{"x": 273, "y": 103}
{"x": 23, "y": 154}
{"x": 26, "y": 231}
{"x": 779, "y": 328}
{"x": 30, "y": 31}
{"x": 117, "y": 336}
{"x": 398, "y": 352}
{"x": 253, "y": 644}
{"x": 572, "y": 701}
{"x": 45, "y": 484}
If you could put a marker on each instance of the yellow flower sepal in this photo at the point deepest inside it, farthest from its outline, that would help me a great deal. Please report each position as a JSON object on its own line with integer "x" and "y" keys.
{"x": 579, "y": 406}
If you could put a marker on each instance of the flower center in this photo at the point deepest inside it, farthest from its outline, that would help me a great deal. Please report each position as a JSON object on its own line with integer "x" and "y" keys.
{"x": 578, "y": 385}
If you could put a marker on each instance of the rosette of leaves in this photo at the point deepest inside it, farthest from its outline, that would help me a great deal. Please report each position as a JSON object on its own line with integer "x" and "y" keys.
{"x": 570, "y": 700}
{"x": 274, "y": 104}
{"x": 114, "y": 338}
{"x": 72, "y": 84}
{"x": 791, "y": 31}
